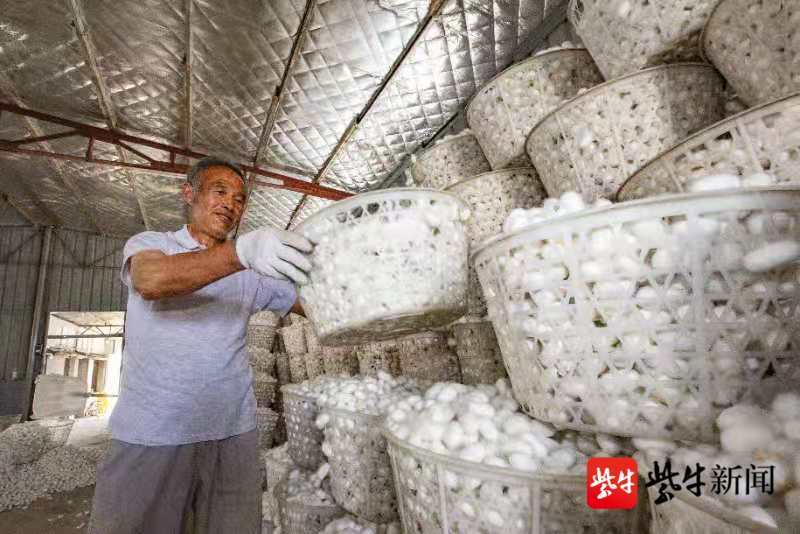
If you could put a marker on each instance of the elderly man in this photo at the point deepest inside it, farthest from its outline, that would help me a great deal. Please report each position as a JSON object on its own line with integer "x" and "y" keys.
{"x": 184, "y": 434}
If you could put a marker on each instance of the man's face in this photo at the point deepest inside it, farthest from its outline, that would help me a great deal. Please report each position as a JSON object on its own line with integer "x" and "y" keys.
{"x": 217, "y": 206}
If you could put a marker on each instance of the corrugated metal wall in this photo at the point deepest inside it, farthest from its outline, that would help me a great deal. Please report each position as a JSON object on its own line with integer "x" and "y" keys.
{"x": 20, "y": 249}
{"x": 83, "y": 275}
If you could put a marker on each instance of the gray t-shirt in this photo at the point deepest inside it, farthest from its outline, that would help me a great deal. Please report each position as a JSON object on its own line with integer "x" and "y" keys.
{"x": 185, "y": 374}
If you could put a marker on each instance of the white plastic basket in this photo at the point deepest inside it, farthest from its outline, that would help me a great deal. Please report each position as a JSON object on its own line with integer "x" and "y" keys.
{"x": 59, "y": 429}
{"x": 264, "y": 388}
{"x": 297, "y": 368}
{"x": 624, "y": 36}
{"x": 491, "y": 197}
{"x": 754, "y": 45}
{"x": 596, "y": 141}
{"x": 261, "y": 360}
{"x": 687, "y": 513}
{"x": 449, "y": 160}
{"x": 314, "y": 365}
{"x": 378, "y": 356}
{"x": 294, "y": 338}
{"x": 506, "y": 109}
{"x": 764, "y": 139}
{"x": 479, "y": 354}
{"x": 647, "y": 318}
{"x": 260, "y": 336}
{"x": 266, "y": 421}
{"x": 361, "y": 474}
{"x": 301, "y": 517}
{"x": 427, "y": 357}
{"x": 386, "y": 263}
{"x": 303, "y": 436}
{"x": 282, "y": 369}
{"x": 339, "y": 361}
{"x": 312, "y": 343}
{"x": 438, "y": 493}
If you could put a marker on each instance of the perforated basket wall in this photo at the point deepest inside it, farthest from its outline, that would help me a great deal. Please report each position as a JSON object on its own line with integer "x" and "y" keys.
{"x": 386, "y": 263}
{"x": 303, "y": 436}
{"x": 260, "y": 336}
{"x": 266, "y": 420}
{"x": 439, "y": 493}
{"x": 297, "y": 368}
{"x": 624, "y": 36}
{"x": 596, "y": 141}
{"x": 339, "y": 361}
{"x": 479, "y": 354}
{"x": 764, "y": 139}
{"x": 449, "y": 160}
{"x": 427, "y": 357}
{"x": 378, "y": 356}
{"x": 686, "y": 513}
{"x": 301, "y": 517}
{"x": 642, "y": 319}
{"x": 754, "y": 44}
{"x": 262, "y": 360}
{"x": 312, "y": 343}
{"x": 491, "y": 197}
{"x": 294, "y": 338}
{"x": 314, "y": 365}
{"x": 361, "y": 474}
{"x": 59, "y": 430}
{"x": 505, "y": 110}
{"x": 264, "y": 388}
{"x": 282, "y": 368}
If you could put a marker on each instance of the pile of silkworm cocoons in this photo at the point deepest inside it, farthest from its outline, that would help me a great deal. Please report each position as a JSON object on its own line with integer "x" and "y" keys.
{"x": 366, "y": 395}
{"x": 484, "y": 424}
{"x": 749, "y": 436}
{"x": 617, "y": 263}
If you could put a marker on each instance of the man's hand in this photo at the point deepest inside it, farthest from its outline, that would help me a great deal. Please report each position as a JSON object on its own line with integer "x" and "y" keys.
{"x": 275, "y": 253}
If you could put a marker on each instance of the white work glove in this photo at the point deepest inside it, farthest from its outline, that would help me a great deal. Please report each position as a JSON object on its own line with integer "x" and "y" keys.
{"x": 275, "y": 253}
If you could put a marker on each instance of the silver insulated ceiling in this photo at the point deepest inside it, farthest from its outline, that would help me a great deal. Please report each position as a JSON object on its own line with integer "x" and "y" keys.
{"x": 338, "y": 92}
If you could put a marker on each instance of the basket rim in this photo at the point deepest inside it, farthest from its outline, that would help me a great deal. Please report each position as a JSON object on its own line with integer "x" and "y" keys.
{"x": 488, "y": 470}
{"x": 485, "y": 175}
{"x": 288, "y": 390}
{"x": 762, "y": 108}
{"x": 633, "y": 205}
{"x": 516, "y": 66}
{"x": 724, "y": 514}
{"x": 344, "y": 412}
{"x": 437, "y": 143}
{"x": 591, "y": 92}
{"x": 704, "y": 33}
{"x": 358, "y": 199}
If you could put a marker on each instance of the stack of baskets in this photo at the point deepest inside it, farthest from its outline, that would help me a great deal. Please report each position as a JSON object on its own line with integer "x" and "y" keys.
{"x": 427, "y": 357}
{"x": 378, "y": 357}
{"x": 479, "y": 354}
{"x": 671, "y": 309}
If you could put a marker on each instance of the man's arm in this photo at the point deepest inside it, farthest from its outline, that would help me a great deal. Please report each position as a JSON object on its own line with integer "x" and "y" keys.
{"x": 155, "y": 275}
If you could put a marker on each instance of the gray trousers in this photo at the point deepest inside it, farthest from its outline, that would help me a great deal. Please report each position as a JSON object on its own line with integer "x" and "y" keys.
{"x": 211, "y": 487}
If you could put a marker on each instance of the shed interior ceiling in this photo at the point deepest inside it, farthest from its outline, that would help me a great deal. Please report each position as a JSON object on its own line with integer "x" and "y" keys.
{"x": 339, "y": 91}
{"x": 89, "y": 319}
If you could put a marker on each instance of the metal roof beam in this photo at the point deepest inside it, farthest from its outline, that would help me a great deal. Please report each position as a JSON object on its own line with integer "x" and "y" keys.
{"x": 272, "y": 112}
{"x": 188, "y": 117}
{"x": 113, "y": 137}
{"x": 434, "y": 8}
{"x": 103, "y": 96}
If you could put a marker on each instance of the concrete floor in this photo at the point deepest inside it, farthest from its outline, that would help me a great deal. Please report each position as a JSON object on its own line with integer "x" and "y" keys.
{"x": 62, "y": 513}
